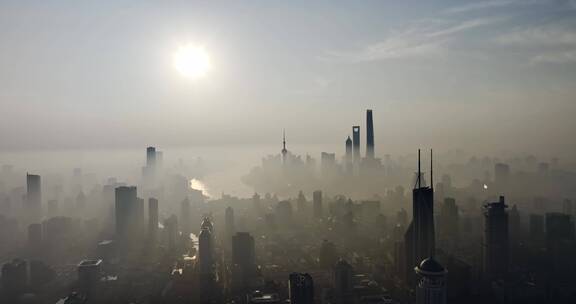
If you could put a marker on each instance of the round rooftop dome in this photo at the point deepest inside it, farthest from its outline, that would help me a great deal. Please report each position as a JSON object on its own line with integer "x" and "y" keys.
{"x": 430, "y": 265}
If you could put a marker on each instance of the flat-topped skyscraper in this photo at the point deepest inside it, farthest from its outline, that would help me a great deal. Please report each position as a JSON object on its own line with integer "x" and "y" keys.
{"x": 33, "y": 197}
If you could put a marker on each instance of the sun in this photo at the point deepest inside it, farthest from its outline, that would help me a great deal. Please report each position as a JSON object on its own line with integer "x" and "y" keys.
{"x": 191, "y": 61}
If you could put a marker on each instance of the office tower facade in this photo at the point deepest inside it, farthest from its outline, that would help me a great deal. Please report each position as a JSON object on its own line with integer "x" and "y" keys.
{"x": 448, "y": 225}
{"x": 243, "y": 260}
{"x": 431, "y": 287}
{"x": 243, "y": 250}
{"x": 301, "y": 288}
{"x": 343, "y": 280}
{"x": 369, "y": 135}
{"x": 356, "y": 144}
{"x": 33, "y": 197}
{"x": 153, "y": 217}
{"x": 229, "y": 223}
{"x": 14, "y": 277}
{"x": 89, "y": 272}
{"x": 126, "y": 211}
{"x": 558, "y": 227}
{"x": 496, "y": 241}
{"x": 151, "y": 157}
{"x": 206, "y": 248}
{"x": 171, "y": 229}
{"x": 420, "y": 239}
{"x": 317, "y": 203}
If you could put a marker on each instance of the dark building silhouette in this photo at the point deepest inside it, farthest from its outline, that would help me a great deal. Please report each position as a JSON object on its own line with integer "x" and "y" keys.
{"x": 126, "y": 211}
{"x": 229, "y": 222}
{"x": 301, "y": 288}
{"x": 431, "y": 287}
{"x": 558, "y": 227}
{"x": 14, "y": 277}
{"x": 496, "y": 240}
{"x": 356, "y": 143}
{"x": 448, "y": 224}
{"x": 89, "y": 272}
{"x": 317, "y": 203}
{"x": 348, "y": 156}
{"x": 153, "y": 217}
{"x": 343, "y": 281}
{"x": 243, "y": 260}
{"x": 33, "y": 197}
{"x": 151, "y": 157}
{"x": 369, "y": 135}
{"x": 420, "y": 236}
{"x": 501, "y": 176}
{"x": 206, "y": 247}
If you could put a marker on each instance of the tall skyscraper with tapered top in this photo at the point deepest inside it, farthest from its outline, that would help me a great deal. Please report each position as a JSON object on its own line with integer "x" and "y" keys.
{"x": 420, "y": 236}
{"x": 369, "y": 135}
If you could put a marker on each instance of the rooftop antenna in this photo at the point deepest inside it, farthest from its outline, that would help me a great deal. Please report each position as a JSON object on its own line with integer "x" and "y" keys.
{"x": 419, "y": 172}
{"x": 431, "y": 174}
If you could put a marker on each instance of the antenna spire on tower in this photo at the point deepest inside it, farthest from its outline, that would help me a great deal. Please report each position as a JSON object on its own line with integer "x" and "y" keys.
{"x": 419, "y": 172}
{"x": 431, "y": 172}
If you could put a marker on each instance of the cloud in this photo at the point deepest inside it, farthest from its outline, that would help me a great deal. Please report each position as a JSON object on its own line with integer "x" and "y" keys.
{"x": 475, "y": 6}
{"x": 551, "y": 43}
{"x": 421, "y": 39}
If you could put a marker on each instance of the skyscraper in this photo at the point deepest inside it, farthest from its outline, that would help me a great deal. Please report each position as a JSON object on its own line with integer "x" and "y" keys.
{"x": 369, "y": 135}
{"x": 152, "y": 217}
{"x": 431, "y": 288}
{"x": 33, "y": 197}
{"x": 495, "y": 245}
{"x": 150, "y": 157}
{"x": 126, "y": 207}
{"x": 343, "y": 284}
{"x": 243, "y": 259}
{"x": 317, "y": 199}
{"x": 301, "y": 288}
{"x": 206, "y": 248}
{"x": 348, "y": 156}
{"x": 229, "y": 223}
{"x": 420, "y": 236}
{"x": 356, "y": 143}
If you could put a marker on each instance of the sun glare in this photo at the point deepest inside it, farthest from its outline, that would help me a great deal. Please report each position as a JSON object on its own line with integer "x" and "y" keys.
{"x": 191, "y": 61}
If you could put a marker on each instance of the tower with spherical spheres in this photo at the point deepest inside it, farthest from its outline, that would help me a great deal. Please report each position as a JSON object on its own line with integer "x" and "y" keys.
{"x": 431, "y": 286}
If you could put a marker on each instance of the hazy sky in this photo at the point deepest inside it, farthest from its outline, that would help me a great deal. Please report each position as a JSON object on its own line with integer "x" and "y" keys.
{"x": 492, "y": 75}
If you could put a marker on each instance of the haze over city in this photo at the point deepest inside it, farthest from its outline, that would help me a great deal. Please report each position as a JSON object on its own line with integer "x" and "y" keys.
{"x": 287, "y": 151}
